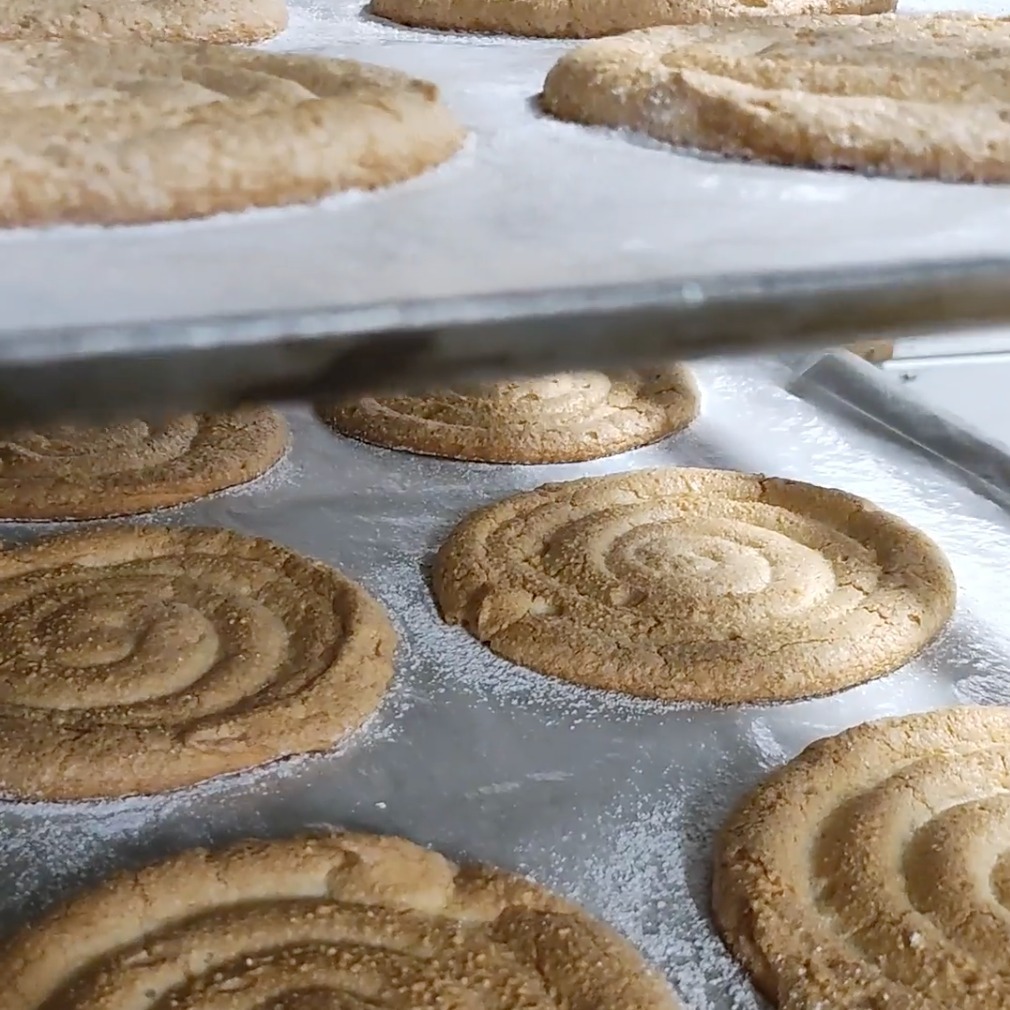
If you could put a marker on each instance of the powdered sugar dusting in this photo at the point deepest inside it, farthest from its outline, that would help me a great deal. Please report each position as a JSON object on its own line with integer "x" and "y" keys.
{"x": 771, "y": 751}
{"x": 651, "y": 869}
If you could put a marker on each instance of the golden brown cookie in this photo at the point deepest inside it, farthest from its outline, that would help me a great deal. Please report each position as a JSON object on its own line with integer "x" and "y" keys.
{"x": 207, "y": 128}
{"x": 341, "y": 922}
{"x": 696, "y": 585}
{"x": 69, "y": 472}
{"x": 899, "y": 95}
{"x": 558, "y": 419}
{"x": 872, "y": 870}
{"x": 584, "y": 19}
{"x": 167, "y": 20}
{"x": 141, "y": 659}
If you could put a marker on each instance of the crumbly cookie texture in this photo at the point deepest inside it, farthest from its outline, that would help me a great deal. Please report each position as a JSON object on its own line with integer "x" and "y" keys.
{"x": 128, "y": 132}
{"x": 696, "y": 585}
{"x": 70, "y": 472}
{"x": 350, "y": 921}
{"x": 142, "y": 659}
{"x": 146, "y": 20}
{"x": 586, "y": 19}
{"x": 871, "y": 871}
{"x": 907, "y": 96}
{"x": 557, "y": 419}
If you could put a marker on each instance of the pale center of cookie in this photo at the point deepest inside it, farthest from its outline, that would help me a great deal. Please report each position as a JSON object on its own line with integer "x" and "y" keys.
{"x": 725, "y": 571}
{"x": 159, "y": 639}
{"x": 71, "y": 451}
{"x": 108, "y": 628}
{"x": 693, "y": 584}
{"x": 710, "y": 565}
{"x": 570, "y": 397}
{"x": 573, "y": 393}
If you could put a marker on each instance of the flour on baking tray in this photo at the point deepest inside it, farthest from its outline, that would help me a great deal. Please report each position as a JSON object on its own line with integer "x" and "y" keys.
{"x": 652, "y": 870}
{"x": 71, "y": 844}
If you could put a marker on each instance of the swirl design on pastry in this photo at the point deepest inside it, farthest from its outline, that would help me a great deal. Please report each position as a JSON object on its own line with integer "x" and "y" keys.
{"x": 558, "y": 419}
{"x": 69, "y": 472}
{"x": 144, "y": 659}
{"x": 695, "y": 585}
{"x": 874, "y": 869}
{"x": 345, "y": 922}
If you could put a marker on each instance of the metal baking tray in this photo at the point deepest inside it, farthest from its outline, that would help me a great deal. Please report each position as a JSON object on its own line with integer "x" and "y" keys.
{"x": 609, "y": 800}
{"x": 542, "y": 244}
{"x": 99, "y": 372}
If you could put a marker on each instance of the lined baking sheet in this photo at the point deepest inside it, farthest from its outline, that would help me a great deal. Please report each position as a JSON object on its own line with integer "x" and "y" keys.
{"x": 530, "y": 205}
{"x": 609, "y": 800}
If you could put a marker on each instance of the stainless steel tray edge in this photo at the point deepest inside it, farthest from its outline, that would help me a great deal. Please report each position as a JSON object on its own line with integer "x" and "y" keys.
{"x": 200, "y": 364}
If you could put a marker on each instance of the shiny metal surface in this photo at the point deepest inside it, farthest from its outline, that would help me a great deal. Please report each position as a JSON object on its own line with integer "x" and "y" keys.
{"x": 611, "y": 801}
{"x": 96, "y": 372}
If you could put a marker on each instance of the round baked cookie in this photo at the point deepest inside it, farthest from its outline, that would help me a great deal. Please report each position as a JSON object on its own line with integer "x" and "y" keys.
{"x": 141, "y": 659}
{"x": 558, "y": 419}
{"x": 873, "y": 870}
{"x": 586, "y": 19}
{"x": 147, "y": 20}
{"x": 208, "y": 128}
{"x": 898, "y": 95}
{"x": 70, "y": 472}
{"x": 348, "y": 922}
{"x": 695, "y": 585}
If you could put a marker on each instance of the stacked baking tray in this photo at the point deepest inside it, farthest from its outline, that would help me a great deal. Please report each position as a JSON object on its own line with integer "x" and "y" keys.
{"x": 535, "y": 218}
{"x": 609, "y": 800}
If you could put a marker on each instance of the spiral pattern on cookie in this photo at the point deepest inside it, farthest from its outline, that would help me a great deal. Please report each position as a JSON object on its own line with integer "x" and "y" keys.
{"x": 560, "y": 418}
{"x": 874, "y": 869}
{"x": 69, "y": 472}
{"x": 140, "y": 659}
{"x": 343, "y": 922}
{"x": 696, "y": 585}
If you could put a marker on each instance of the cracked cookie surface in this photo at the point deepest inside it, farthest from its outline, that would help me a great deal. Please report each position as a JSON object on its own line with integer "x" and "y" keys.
{"x": 137, "y": 659}
{"x": 71, "y": 472}
{"x": 556, "y": 419}
{"x": 585, "y": 19}
{"x": 145, "y": 20}
{"x": 912, "y": 96}
{"x": 125, "y": 132}
{"x": 872, "y": 870}
{"x": 696, "y": 585}
{"x": 345, "y": 922}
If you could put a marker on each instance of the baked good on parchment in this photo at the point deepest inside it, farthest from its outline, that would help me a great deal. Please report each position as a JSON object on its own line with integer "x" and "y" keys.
{"x": 127, "y": 132}
{"x": 696, "y": 585}
{"x": 141, "y": 659}
{"x": 586, "y": 19}
{"x": 557, "y": 419}
{"x": 71, "y": 472}
{"x": 872, "y": 870}
{"x": 897, "y": 95}
{"x": 341, "y": 922}
{"x": 149, "y": 20}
